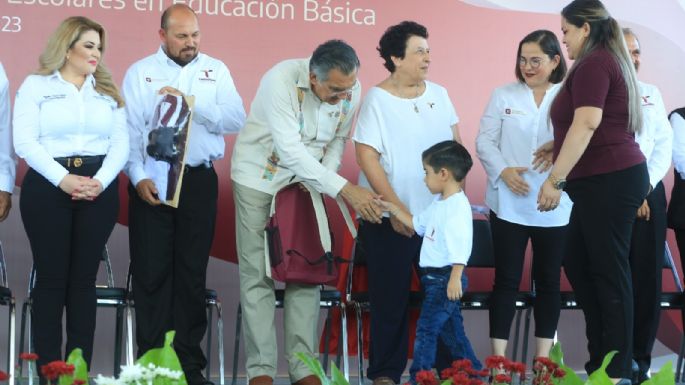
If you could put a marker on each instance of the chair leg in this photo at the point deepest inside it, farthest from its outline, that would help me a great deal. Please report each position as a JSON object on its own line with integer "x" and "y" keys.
{"x": 118, "y": 334}
{"x": 236, "y": 344}
{"x": 514, "y": 353}
{"x": 679, "y": 364}
{"x": 360, "y": 343}
{"x": 209, "y": 341}
{"x": 343, "y": 341}
{"x": 11, "y": 336}
{"x": 220, "y": 332}
{"x": 22, "y": 331}
{"x": 526, "y": 334}
{"x": 129, "y": 334}
{"x": 326, "y": 341}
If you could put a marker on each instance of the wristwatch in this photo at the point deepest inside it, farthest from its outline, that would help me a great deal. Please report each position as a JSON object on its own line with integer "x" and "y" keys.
{"x": 557, "y": 183}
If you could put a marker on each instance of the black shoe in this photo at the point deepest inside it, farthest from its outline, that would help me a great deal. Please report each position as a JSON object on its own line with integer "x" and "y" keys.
{"x": 197, "y": 378}
{"x": 624, "y": 381}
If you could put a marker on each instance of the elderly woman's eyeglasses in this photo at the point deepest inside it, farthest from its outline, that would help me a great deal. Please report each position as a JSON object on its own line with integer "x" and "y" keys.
{"x": 534, "y": 62}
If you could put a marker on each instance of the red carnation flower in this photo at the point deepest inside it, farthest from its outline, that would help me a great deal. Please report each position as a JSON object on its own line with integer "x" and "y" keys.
{"x": 4, "y": 376}
{"x": 78, "y": 382}
{"x": 558, "y": 373}
{"x": 28, "y": 356}
{"x": 426, "y": 377}
{"x": 495, "y": 362}
{"x": 502, "y": 379}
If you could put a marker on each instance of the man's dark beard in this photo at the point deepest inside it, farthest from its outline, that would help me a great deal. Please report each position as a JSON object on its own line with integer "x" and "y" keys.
{"x": 178, "y": 60}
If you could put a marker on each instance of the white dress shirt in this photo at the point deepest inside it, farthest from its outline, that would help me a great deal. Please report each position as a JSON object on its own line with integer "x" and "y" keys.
{"x": 400, "y": 130}
{"x": 53, "y": 118}
{"x": 283, "y": 140}
{"x": 511, "y": 129}
{"x": 218, "y": 107}
{"x": 678, "y": 124}
{"x": 656, "y": 136}
{"x": 446, "y": 227}
{"x": 8, "y": 164}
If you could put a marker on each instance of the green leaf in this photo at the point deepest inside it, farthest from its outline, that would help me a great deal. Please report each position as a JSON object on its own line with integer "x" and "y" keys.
{"x": 337, "y": 378}
{"x": 164, "y": 357}
{"x": 315, "y": 366}
{"x": 665, "y": 376}
{"x": 80, "y": 368}
{"x": 556, "y": 355}
{"x": 600, "y": 376}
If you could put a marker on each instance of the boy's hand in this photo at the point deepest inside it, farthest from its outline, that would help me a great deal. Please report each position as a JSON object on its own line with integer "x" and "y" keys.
{"x": 454, "y": 288}
{"x": 385, "y": 205}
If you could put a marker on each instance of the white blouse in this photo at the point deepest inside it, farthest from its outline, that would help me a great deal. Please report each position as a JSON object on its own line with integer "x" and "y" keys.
{"x": 53, "y": 118}
{"x": 511, "y": 129}
{"x": 400, "y": 130}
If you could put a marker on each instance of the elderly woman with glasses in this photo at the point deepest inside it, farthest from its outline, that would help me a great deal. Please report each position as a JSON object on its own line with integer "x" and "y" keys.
{"x": 514, "y": 125}
{"x": 399, "y": 118}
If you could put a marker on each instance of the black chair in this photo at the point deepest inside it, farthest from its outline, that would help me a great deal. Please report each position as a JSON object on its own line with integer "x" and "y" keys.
{"x": 330, "y": 299}
{"x": 674, "y": 300}
{"x": 212, "y": 303}
{"x": 7, "y": 299}
{"x": 108, "y": 296}
{"x": 482, "y": 256}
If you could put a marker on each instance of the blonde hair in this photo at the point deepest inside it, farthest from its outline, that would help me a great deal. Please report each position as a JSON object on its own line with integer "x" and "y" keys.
{"x": 606, "y": 33}
{"x": 67, "y": 34}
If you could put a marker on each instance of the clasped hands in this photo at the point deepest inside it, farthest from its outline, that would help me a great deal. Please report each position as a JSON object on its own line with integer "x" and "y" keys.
{"x": 81, "y": 187}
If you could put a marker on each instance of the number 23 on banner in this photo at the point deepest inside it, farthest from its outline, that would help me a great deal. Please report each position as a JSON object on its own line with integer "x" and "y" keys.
{"x": 10, "y": 23}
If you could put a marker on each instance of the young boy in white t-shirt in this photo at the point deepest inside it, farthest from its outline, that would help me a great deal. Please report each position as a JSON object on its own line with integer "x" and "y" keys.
{"x": 447, "y": 230}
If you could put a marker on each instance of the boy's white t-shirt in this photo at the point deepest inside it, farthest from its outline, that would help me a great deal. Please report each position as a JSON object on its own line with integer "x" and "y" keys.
{"x": 447, "y": 230}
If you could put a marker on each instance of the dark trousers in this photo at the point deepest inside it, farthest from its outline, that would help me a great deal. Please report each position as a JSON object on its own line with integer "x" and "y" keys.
{"x": 67, "y": 239}
{"x": 169, "y": 254}
{"x": 646, "y": 262}
{"x": 596, "y": 261}
{"x": 510, "y": 242}
{"x": 390, "y": 260}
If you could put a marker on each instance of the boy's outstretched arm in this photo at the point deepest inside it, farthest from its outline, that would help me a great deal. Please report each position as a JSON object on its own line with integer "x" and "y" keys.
{"x": 454, "y": 289}
{"x": 403, "y": 216}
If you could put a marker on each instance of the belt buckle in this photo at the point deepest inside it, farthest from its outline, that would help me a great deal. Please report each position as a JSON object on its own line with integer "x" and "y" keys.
{"x": 78, "y": 162}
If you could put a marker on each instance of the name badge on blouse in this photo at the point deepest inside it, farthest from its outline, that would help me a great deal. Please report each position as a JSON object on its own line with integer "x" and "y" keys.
{"x": 54, "y": 97}
{"x": 513, "y": 111}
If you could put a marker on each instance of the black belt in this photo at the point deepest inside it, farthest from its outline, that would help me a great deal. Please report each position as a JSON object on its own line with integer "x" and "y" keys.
{"x": 78, "y": 161}
{"x": 436, "y": 270}
{"x": 201, "y": 167}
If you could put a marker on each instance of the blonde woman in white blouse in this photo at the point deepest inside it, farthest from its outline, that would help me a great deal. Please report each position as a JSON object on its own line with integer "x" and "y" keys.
{"x": 514, "y": 125}
{"x": 70, "y": 128}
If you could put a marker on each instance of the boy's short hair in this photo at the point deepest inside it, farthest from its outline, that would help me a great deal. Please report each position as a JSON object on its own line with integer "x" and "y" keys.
{"x": 451, "y": 156}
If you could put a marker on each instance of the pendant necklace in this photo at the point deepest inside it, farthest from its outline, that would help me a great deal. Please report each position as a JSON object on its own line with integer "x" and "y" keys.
{"x": 414, "y": 100}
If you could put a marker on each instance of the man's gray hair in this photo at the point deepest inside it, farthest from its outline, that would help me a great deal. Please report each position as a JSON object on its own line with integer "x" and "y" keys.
{"x": 333, "y": 54}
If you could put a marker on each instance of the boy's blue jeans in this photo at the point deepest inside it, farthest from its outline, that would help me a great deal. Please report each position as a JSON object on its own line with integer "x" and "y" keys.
{"x": 442, "y": 318}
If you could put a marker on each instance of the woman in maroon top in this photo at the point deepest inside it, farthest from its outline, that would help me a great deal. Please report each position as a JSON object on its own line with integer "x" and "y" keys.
{"x": 595, "y": 117}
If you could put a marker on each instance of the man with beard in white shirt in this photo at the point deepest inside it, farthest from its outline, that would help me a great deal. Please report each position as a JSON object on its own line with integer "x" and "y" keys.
{"x": 170, "y": 246}
{"x": 649, "y": 231}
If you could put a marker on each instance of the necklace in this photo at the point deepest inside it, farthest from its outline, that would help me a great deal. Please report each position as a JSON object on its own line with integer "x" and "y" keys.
{"x": 413, "y": 100}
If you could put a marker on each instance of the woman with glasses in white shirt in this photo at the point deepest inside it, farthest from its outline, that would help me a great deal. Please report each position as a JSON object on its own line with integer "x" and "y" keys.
{"x": 514, "y": 125}
{"x": 70, "y": 128}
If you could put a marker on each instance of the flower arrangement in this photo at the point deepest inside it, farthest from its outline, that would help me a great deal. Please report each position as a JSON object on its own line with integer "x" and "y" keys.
{"x": 500, "y": 371}
{"x": 156, "y": 367}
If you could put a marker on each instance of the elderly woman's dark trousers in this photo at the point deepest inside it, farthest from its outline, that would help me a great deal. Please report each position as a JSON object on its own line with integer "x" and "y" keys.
{"x": 390, "y": 258}
{"x": 67, "y": 239}
{"x": 597, "y": 264}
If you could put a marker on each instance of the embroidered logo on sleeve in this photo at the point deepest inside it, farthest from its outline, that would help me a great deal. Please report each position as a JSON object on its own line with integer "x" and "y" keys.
{"x": 271, "y": 167}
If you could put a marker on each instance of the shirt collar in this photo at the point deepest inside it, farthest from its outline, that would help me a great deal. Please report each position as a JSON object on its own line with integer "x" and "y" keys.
{"x": 163, "y": 58}
{"x": 88, "y": 83}
{"x": 303, "y": 81}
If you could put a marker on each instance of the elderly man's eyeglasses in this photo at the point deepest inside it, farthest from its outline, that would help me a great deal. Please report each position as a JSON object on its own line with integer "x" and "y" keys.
{"x": 335, "y": 92}
{"x": 534, "y": 62}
